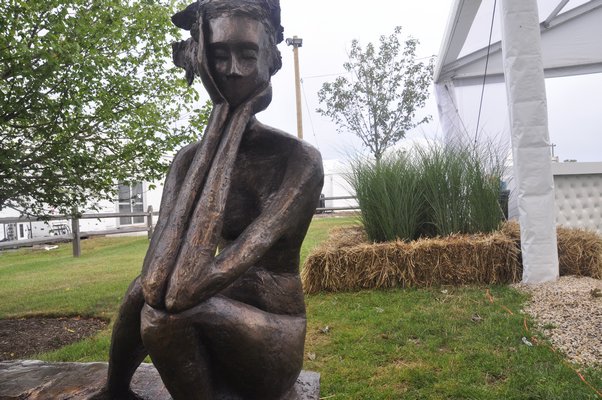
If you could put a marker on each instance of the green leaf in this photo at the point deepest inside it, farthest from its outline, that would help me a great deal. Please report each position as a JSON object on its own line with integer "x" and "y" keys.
{"x": 88, "y": 98}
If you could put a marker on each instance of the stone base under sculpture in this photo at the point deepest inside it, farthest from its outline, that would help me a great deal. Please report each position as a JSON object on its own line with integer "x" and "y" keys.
{"x": 38, "y": 380}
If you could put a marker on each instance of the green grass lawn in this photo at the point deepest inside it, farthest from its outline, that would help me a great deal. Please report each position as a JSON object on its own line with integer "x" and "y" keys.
{"x": 440, "y": 343}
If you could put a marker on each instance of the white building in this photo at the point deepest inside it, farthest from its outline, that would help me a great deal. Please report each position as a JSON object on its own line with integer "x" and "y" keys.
{"x": 336, "y": 184}
{"x": 131, "y": 198}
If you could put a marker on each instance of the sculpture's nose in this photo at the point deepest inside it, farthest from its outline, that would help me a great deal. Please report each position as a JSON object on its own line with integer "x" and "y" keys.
{"x": 234, "y": 69}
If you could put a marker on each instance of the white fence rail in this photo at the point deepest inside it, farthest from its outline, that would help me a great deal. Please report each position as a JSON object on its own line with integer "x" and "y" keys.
{"x": 76, "y": 235}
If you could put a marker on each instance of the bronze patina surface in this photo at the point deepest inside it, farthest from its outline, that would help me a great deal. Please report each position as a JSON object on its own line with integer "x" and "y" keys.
{"x": 219, "y": 304}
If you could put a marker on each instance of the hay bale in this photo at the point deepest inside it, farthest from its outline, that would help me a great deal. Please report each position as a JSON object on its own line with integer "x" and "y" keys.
{"x": 345, "y": 236}
{"x": 579, "y": 250}
{"x": 512, "y": 230}
{"x": 346, "y": 261}
{"x": 453, "y": 260}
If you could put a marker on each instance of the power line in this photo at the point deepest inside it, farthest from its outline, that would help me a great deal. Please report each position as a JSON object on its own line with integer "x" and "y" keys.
{"x": 347, "y": 73}
{"x": 476, "y": 135}
{"x": 311, "y": 122}
{"x": 325, "y": 75}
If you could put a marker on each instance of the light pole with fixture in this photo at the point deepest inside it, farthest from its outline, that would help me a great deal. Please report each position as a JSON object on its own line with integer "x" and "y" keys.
{"x": 297, "y": 42}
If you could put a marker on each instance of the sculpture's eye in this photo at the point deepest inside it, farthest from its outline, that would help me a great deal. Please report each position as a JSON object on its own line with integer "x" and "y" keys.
{"x": 249, "y": 54}
{"x": 220, "y": 54}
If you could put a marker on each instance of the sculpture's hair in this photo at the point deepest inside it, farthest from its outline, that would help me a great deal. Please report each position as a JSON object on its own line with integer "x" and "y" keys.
{"x": 265, "y": 11}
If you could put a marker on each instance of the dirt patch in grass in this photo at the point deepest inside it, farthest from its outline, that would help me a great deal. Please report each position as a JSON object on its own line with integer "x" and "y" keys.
{"x": 21, "y": 338}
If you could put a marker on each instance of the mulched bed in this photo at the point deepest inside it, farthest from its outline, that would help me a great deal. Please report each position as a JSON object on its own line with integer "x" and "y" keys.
{"x": 22, "y": 338}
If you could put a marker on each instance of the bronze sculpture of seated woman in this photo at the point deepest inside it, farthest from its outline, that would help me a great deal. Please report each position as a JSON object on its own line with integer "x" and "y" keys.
{"x": 219, "y": 304}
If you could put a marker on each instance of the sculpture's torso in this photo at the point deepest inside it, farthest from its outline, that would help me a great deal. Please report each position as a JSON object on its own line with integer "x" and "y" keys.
{"x": 273, "y": 283}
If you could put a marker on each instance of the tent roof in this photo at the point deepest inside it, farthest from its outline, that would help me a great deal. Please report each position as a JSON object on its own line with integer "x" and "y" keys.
{"x": 570, "y": 40}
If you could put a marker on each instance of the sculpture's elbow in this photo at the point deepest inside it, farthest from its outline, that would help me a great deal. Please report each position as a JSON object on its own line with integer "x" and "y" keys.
{"x": 177, "y": 300}
{"x": 181, "y": 297}
{"x": 152, "y": 293}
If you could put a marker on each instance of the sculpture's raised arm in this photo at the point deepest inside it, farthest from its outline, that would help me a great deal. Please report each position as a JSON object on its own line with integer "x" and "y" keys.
{"x": 195, "y": 279}
{"x": 198, "y": 213}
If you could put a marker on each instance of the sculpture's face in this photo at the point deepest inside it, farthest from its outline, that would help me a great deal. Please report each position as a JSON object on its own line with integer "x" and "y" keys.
{"x": 238, "y": 51}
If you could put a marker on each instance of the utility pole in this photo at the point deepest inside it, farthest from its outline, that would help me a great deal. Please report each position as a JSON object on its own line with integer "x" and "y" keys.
{"x": 296, "y": 43}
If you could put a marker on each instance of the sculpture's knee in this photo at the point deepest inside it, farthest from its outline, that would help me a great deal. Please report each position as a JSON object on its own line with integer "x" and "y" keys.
{"x": 155, "y": 326}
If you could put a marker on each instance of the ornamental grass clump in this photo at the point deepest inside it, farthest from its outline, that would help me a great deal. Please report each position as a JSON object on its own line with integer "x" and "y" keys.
{"x": 445, "y": 188}
{"x": 430, "y": 191}
{"x": 461, "y": 185}
{"x": 390, "y": 196}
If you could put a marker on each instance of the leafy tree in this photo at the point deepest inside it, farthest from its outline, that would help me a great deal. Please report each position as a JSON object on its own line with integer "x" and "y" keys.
{"x": 88, "y": 97}
{"x": 378, "y": 102}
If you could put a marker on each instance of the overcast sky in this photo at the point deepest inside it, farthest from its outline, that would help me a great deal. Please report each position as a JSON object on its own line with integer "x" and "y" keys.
{"x": 327, "y": 28}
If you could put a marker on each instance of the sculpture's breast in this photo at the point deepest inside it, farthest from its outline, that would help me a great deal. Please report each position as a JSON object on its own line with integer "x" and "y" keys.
{"x": 258, "y": 174}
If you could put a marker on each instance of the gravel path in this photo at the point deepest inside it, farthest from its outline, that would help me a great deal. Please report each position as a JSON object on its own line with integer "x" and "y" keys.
{"x": 569, "y": 312}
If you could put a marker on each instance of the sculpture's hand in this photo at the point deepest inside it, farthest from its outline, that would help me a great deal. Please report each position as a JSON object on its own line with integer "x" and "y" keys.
{"x": 154, "y": 278}
{"x": 194, "y": 280}
{"x": 156, "y": 270}
{"x": 155, "y": 274}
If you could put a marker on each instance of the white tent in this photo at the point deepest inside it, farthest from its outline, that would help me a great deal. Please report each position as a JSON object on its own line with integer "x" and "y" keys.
{"x": 539, "y": 38}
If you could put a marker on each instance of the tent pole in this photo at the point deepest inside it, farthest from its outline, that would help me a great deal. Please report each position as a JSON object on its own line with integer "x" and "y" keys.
{"x": 527, "y": 106}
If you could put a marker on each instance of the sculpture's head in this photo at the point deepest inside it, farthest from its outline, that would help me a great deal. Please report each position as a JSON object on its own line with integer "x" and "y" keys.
{"x": 232, "y": 46}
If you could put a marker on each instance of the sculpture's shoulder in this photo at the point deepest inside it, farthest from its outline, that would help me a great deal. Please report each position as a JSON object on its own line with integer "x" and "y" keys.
{"x": 186, "y": 153}
{"x": 180, "y": 162}
{"x": 276, "y": 141}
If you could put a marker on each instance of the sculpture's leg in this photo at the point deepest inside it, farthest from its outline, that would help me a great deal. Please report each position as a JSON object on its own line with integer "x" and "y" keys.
{"x": 178, "y": 355}
{"x": 127, "y": 350}
{"x": 225, "y": 343}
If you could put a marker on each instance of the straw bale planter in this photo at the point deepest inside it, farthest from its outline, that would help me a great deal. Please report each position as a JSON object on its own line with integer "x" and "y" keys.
{"x": 346, "y": 261}
{"x": 579, "y": 250}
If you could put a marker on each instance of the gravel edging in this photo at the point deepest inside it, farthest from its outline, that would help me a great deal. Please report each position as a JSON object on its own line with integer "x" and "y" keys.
{"x": 569, "y": 313}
